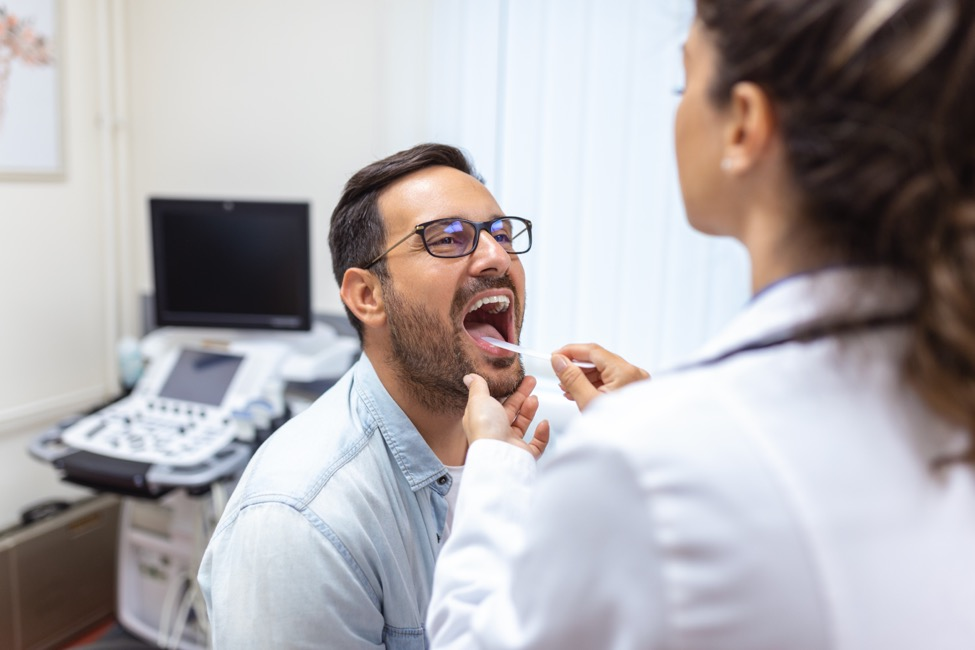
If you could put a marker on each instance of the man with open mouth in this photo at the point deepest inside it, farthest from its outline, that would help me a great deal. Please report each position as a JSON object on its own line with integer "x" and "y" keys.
{"x": 330, "y": 538}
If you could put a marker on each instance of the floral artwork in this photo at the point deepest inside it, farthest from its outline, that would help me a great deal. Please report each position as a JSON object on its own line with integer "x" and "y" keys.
{"x": 30, "y": 114}
{"x": 18, "y": 41}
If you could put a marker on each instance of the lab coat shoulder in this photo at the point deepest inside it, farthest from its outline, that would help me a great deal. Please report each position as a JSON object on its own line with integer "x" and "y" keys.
{"x": 668, "y": 417}
{"x": 665, "y": 524}
{"x": 686, "y": 481}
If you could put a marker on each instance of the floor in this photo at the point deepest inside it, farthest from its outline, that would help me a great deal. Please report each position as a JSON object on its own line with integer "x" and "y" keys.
{"x": 107, "y": 635}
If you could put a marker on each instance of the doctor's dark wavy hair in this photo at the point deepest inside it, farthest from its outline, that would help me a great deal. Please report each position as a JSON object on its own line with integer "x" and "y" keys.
{"x": 876, "y": 103}
{"x": 358, "y": 231}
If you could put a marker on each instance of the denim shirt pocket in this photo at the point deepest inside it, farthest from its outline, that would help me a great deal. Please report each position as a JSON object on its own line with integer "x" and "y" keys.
{"x": 399, "y": 638}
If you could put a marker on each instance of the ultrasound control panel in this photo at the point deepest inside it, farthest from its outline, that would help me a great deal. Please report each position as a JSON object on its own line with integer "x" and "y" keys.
{"x": 181, "y": 412}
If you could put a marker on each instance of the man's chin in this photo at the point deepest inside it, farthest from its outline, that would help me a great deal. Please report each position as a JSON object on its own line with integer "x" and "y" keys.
{"x": 504, "y": 381}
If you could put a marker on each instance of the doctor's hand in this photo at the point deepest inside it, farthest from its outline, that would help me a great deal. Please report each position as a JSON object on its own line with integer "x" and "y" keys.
{"x": 582, "y": 385}
{"x": 486, "y": 417}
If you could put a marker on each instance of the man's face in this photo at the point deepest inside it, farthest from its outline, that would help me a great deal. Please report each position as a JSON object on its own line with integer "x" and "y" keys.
{"x": 438, "y": 309}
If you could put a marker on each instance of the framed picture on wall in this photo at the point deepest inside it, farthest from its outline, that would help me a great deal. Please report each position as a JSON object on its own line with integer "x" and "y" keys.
{"x": 31, "y": 138}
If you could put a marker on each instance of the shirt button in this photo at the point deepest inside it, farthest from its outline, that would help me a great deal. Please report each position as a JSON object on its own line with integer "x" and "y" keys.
{"x": 442, "y": 480}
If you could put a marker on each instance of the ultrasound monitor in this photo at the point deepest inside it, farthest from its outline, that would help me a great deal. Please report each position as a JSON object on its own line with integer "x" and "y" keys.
{"x": 201, "y": 377}
{"x": 231, "y": 264}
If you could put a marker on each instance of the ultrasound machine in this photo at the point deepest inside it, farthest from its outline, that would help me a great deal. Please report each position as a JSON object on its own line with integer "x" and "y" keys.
{"x": 232, "y": 304}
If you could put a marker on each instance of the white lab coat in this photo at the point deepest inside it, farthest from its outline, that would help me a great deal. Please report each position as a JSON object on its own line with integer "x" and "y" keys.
{"x": 780, "y": 499}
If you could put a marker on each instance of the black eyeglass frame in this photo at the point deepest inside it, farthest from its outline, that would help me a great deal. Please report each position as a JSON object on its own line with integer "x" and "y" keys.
{"x": 478, "y": 227}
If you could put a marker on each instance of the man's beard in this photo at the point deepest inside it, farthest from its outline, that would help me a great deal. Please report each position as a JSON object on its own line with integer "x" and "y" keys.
{"x": 428, "y": 354}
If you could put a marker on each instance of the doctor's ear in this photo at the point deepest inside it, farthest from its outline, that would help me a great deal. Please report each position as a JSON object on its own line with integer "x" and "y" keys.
{"x": 751, "y": 128}
{"x": 363, "y": 295}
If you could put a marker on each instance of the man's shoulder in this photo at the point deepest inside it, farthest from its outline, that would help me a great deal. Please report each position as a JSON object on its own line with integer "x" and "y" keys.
{"x": 304, "y": 455}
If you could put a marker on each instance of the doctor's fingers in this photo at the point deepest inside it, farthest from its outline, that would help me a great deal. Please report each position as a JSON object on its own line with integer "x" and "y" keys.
{"x": 615, "y": 371}
{"x": 514, "y": 403}
{"x": 577, "y": 386}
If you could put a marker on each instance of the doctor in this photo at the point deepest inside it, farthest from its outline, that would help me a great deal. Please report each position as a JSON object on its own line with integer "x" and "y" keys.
{"x": 806, "y": 481}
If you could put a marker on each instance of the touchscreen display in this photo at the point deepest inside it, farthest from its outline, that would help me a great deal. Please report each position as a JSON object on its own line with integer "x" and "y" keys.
{"x": 202, "y": 377}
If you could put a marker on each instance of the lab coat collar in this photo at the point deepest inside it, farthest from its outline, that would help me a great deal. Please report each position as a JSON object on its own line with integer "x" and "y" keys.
{"x": 835, "y": 294}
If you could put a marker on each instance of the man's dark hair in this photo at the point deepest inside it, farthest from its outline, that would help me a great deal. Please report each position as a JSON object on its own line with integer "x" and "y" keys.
{"x": 358, "y": 232}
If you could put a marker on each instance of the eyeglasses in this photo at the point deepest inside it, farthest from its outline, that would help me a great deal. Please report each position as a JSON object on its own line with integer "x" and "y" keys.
{"x": 459, "y": 237}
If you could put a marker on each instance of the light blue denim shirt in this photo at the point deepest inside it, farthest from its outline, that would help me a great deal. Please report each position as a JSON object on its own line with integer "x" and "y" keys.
{"x": 330, "y": 537}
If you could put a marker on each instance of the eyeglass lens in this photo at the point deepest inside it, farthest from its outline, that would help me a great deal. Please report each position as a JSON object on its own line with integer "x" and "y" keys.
{"x": 454, "y": 237}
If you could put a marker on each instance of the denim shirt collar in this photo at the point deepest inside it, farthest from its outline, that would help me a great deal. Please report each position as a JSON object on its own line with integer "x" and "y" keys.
{"x": 413, "y": 455}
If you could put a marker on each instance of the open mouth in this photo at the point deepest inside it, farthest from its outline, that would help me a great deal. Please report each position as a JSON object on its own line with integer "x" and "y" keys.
{"x": 490, "y": 315}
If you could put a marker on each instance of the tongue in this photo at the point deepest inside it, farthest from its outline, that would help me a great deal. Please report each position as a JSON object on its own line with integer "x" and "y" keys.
{"x": 480, "y": 330}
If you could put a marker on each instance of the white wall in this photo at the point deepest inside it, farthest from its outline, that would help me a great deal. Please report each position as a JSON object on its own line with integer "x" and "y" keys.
{"x": 53, "y": 275}
{"x": 52, "y": 252}
{"x": 242, "y": 98}
{"x": 263, "y": 99}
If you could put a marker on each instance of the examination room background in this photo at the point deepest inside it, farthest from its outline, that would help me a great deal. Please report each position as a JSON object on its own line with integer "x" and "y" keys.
{"x": 565, "y": 105}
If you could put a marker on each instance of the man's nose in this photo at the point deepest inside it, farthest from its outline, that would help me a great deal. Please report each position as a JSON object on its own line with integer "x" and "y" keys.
{"x": 490, "y": 258}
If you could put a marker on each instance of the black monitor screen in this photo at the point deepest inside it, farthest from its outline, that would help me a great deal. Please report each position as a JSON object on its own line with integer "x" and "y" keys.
{"x": 236, "y": 264}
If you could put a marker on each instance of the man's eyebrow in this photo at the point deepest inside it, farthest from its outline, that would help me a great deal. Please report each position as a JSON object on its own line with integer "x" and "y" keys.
{"x": 493, "y": 217}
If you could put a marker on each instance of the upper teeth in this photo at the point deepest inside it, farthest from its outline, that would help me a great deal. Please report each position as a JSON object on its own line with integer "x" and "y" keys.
{"x": 501, "y": 303}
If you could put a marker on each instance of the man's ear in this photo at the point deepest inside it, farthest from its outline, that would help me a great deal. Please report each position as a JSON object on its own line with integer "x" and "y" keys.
{"x": 750, "y": 130}
{"x": 363, "y": 295}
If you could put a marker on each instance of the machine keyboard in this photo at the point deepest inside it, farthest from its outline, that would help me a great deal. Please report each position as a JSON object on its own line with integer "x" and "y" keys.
{"x": 157, "y": 431}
